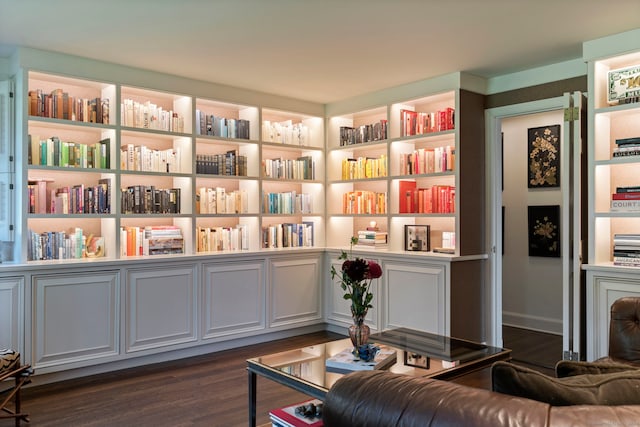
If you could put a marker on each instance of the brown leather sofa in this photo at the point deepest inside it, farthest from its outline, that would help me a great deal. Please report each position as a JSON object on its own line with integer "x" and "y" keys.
{"x": 381, "y": 398}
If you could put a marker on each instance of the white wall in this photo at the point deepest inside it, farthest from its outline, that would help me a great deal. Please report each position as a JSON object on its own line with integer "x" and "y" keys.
{"x": 532, "y": 286}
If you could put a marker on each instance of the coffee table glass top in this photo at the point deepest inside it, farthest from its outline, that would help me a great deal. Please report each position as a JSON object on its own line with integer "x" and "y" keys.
{"x": 418, "y": 354}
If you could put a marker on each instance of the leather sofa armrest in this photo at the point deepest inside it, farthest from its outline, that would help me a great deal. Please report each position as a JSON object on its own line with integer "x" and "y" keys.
{"x": 381, "y": 398}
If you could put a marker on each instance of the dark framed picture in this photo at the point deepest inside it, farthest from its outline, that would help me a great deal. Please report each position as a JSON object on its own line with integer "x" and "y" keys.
{"x": 417, "y": 238}
{"x": 544, "y": 231}
{"x": 544, "y": 156}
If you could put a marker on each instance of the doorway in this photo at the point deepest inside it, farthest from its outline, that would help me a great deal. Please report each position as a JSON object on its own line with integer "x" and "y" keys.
{"x": 531, "y": 262}
{"x": 530, "y": 289}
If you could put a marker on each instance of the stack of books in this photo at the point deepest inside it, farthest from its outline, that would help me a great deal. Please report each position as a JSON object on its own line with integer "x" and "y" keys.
{"x": 370, "y": 239}
{"x": 626, "y": 250}
{"x": 627, "y": 147}
{"x": 626, "y": 199}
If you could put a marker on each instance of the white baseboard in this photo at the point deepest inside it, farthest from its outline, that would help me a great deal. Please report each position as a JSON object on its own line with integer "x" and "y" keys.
{"x": 536, "y": 323}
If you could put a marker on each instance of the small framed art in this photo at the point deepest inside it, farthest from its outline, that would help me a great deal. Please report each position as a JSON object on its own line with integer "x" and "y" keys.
{"x": 544, "y": 231}
{"x": 417, "y": 238}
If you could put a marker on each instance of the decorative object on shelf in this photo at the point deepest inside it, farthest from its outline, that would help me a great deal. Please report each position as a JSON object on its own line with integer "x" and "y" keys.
{"x": 623, "y": 85}
{"x": 544, "y": 231}
{"x": 544, "y": 156}
{"x": 356, "y": 276}
{"x": 417, "y": 238}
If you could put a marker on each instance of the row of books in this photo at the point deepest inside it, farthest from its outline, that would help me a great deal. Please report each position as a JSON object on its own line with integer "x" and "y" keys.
{"x": 214, "y": 239}
{"x": 364, "y": 167}
{"x": 147, "y": 115}
{"x": 142, "y": 158}
{"x": 73, "y": 244}
{"x": 627, "y": 147}
{"x": 435, "y": 199}
{"x": 209, "y": 124}
{"x": 151, "y": 240}
{"x": 58, "y": 104}
{"x": 220, "y": 201}
{"x": 286, "y": 132}
{"x": 54, "y": 152}
{"x": 365, "y": 133}
{"x": 288, "y": 235}
{"x": 147, "y": 199}
{"x": 418, "y": 123}
{"x": 76, "y": 199}
{"x": 428, "y": 160}
{"x": 288, "y": 202}
{"x": 303, "y": 167}
{"x": 364, "y": 202}
{"x": 230, "y": 163}
{"x": 626, "y": 249}
{"x": 626, "y": 199}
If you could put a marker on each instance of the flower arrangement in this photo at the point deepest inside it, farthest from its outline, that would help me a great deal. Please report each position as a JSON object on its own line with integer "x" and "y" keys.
{"x": 356, "y": 276}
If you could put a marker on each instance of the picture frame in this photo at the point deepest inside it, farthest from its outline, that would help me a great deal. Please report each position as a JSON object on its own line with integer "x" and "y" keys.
{"x": 417, "y": 238}
{"x": 544, "y": 231}
{"x": 543, "y": 156}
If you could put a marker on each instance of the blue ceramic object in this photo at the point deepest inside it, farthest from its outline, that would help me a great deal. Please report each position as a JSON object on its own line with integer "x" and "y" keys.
{"x": 367, "y": 352}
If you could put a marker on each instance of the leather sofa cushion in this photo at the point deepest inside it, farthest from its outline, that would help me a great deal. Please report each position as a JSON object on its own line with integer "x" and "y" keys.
{"x": 569, "y": 368}
{"x": 618, "y": 388}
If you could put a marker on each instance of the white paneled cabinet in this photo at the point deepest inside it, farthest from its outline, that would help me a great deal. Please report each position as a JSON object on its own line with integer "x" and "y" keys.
{"x": 415, "y": 297}
{"x": 11, "y": 315}
{"x": 75, "y": 319}
{"x": 295, "y": 290}
{"x": 161, "y": 307}
{"x": 233, "y": 298}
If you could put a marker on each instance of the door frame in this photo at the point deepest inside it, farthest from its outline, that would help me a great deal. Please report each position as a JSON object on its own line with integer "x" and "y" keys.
{"x": 493, "y": 130}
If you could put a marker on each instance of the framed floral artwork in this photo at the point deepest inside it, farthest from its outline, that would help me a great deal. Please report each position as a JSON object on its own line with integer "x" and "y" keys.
{"x": 544, "y": 156}
{"x": 544, "y": 231}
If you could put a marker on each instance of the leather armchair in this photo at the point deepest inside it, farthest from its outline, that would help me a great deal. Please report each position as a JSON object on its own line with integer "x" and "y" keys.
{"x": 624, "y": 332}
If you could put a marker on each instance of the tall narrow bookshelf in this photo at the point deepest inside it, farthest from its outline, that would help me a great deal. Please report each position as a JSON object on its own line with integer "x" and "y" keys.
{"x": 613, "y": 181}
{"x": 613, "y": 163}
{"x": 292, "y": 180}
{"x": 71, "y": 153}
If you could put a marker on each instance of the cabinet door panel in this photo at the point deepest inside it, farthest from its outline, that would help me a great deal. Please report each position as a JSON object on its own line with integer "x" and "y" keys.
{"x": 11, "y": 313}
{"x": 415, "y": 297}
{"x": 295, "y": 290}
{"x": 76, "y": 318}
{"x": 233, "y": 298}
{"x": 161, "y": 307}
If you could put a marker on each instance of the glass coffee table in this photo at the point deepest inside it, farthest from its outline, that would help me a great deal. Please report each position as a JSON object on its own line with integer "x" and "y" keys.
{"x": 418, "y": 353}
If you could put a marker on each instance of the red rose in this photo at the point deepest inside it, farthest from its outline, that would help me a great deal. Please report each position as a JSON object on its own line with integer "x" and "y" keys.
{"x": 374, "y": 271}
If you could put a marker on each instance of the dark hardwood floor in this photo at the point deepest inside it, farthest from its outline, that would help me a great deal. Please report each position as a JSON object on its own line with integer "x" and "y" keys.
{"x": 209, "y": 390}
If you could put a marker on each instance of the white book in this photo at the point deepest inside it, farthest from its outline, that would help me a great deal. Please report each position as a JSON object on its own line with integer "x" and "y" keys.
{"x": 345, "y": 361}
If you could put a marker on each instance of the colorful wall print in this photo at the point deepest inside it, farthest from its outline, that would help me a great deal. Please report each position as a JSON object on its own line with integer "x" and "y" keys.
{"x": 544, "y": 156}
{"x": 544, "y": 231}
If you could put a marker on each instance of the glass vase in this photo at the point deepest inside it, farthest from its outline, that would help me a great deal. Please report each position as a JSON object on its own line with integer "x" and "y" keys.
{"x": 359, "y": 331}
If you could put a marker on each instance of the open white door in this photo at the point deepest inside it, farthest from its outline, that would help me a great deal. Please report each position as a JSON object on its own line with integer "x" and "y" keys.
{"x": 572, "y": 236}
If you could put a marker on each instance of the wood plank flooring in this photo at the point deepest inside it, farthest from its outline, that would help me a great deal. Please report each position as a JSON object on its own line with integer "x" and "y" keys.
{"x": 209, "y": 390}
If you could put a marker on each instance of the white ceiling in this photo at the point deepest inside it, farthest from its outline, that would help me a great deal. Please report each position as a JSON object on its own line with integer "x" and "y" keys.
{"x": 316, "y": 50}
